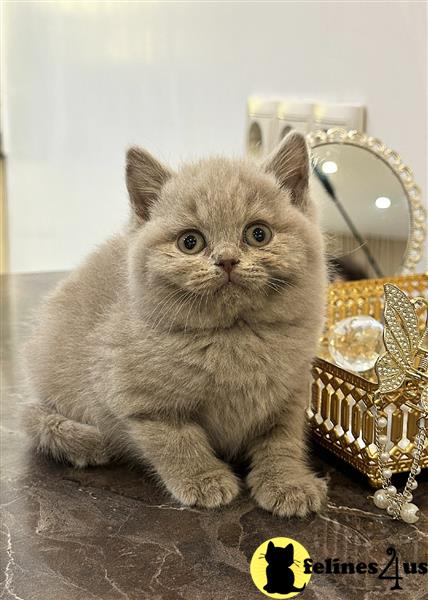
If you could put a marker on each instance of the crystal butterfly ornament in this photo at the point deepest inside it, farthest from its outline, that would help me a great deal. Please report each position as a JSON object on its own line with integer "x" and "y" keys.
{"x": 405, "y": 360}
{"x": 406, "y": 349}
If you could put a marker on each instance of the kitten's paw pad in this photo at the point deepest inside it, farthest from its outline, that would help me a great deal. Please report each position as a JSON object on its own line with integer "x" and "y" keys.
{"x": 209, "y": 490}
{"x": 291, "y": 498}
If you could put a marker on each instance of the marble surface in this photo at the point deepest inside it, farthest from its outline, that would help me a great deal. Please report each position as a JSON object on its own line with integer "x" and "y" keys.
{"x": 110, "y": 533}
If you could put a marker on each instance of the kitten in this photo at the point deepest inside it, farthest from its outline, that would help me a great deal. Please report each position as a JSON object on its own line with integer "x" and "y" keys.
{"x": 187, "y": 340}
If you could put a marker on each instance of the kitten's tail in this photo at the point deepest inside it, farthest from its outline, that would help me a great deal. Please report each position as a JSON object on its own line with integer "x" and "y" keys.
{"x": 64, "y": 439}
{"x": 298, "y": 589}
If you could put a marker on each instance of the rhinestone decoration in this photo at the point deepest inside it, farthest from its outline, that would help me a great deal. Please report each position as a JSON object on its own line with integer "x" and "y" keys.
{"x": 405, "y": 359}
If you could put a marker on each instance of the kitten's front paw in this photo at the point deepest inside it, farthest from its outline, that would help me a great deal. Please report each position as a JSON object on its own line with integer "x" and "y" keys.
{"x": 289, "y": 498}
{"x": 209, "y": 490}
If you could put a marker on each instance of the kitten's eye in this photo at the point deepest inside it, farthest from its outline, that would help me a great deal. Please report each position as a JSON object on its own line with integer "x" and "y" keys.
{"x": 191, "y": 242}
{"x": 257, "y": 234}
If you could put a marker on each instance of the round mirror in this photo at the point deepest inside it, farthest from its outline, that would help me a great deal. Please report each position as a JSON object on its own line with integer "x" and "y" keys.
{"x": 370, "y": 208}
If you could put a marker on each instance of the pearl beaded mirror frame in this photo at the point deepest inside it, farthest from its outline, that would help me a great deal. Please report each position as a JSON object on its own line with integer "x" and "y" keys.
{"x": 371, "y": 208}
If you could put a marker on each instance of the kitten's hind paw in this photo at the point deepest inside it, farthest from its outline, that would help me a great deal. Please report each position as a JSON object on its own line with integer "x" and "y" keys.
{"x": 290, "y": 498}
{"x": 209, "y": 490}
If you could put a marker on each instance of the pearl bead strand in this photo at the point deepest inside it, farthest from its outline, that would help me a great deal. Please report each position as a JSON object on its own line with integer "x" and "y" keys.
{"x": 397, "y": 504}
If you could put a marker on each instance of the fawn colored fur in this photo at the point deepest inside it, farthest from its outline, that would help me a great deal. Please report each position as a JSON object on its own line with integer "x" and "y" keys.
{"x": 145, "y": 351}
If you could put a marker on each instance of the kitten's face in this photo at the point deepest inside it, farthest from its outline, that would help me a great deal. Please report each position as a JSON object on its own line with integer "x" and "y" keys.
{"x": 222, "y": 240}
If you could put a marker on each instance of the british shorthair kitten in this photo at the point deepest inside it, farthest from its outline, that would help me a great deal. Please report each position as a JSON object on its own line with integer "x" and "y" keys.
{"x": 186, "y": 341}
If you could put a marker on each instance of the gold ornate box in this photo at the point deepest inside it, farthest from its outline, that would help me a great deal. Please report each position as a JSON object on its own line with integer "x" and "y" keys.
{"x": 339, "y": 410}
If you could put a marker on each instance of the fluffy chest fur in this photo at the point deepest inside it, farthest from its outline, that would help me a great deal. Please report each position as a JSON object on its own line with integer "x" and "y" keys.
{"x": 244, "y": 385}
{"x": 234, "y": 381}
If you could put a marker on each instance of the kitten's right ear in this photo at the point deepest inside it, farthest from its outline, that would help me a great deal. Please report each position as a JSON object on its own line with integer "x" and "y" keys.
{"x": 145, "y": 177}
{"x": 289, "y": 163}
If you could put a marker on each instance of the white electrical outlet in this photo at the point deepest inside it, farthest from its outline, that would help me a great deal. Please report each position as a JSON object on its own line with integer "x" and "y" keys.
{"x": 261, "y": 122}
{"x": 327, "y": 116}
{"x": 269, "y": 120}
{"x": 293, "y": 115}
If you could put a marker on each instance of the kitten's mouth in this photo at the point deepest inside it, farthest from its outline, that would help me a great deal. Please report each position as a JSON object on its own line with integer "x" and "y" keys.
{"x": 228, "y": 285}
{"x": 230, "y": 279}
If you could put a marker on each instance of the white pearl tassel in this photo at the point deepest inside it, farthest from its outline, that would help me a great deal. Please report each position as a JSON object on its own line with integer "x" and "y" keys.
{"x": 409, "y": 512}
{"x": 405, "y": 347}
{"x": 381, "y": 499}
{"x": 398, "y": 505}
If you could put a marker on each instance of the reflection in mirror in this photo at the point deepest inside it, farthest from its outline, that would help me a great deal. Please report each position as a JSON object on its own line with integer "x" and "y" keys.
{"x": 364, "y": 211}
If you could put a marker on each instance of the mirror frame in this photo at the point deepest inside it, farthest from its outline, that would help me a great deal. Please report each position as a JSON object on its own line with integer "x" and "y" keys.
{"x": 403, "y": 173}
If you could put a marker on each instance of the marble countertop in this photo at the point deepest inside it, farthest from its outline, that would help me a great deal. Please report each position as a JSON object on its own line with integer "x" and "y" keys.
{"x": 111, "y": 533}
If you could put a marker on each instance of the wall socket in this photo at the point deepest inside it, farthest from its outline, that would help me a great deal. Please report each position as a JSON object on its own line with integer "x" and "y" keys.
{"x": 326, "y": 116}
{"x": 269, "y": 120}
{"x": 261, "y": 126}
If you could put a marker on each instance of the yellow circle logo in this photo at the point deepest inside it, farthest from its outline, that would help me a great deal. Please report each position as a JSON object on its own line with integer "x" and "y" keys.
{"x": 278, "y": 568}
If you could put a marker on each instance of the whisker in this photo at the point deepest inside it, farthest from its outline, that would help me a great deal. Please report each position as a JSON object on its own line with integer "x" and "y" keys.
{"x": 189, "y": 311}
{"x": 350, "y": 251}
{"x": 275, "y": 287}
{"x": 283, "y": 282}
{"x": 199, "y": 311}
{"x": 166, "y": 310}
{"x": 186, "y": 297}
{"x": 163, "y": 302}
{"x": 169, "y": 308}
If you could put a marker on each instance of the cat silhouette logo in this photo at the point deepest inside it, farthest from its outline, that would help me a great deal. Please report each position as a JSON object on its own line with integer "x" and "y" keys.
{"x": 277, "y": 568}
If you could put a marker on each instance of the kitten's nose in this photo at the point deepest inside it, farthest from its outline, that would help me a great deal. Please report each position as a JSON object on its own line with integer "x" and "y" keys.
{"x": 227, "y": 265}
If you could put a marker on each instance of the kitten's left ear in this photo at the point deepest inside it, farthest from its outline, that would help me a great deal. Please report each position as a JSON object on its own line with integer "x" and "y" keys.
{"x": 145, "y": 177}
{"x": 289, "y": 162}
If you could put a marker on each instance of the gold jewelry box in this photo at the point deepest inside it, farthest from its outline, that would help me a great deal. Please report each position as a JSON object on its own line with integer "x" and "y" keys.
{"x": 339, "y": 410}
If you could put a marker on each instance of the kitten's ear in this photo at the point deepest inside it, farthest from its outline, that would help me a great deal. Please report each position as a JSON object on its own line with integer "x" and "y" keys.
{"x": 289, "y": 162}
{"x": 145, "y": 177}
{"x": 271, "y": 546}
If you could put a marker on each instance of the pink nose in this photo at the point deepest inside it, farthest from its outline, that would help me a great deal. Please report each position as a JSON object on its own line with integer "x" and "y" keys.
{"x": 227, "y": 265}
